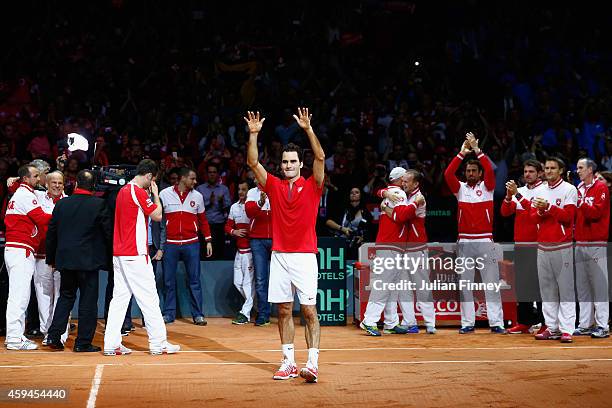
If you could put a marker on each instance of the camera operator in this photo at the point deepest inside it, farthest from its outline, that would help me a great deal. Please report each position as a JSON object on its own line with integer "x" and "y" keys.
{"x": 354, "y": 224}
{"x": 376, "y": 182}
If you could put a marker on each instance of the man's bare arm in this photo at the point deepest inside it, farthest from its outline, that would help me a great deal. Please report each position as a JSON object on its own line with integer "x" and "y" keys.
{"x": 255, "y": 123}
{"x": 318, "y": 166}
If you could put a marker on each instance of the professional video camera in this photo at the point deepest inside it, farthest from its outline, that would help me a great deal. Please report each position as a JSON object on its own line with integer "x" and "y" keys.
{"x": 113, "y": 177}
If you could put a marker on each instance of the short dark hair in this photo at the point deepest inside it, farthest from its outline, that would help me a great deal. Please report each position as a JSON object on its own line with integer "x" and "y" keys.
{"x": 557, "y": 160}
{"x": 416, "y": 175}
{"x": 146, "y": 166}
{"x": 86, "y": 180}
{"x": 24, "y": 171}
{"x": 184, "y": 171}
{"x": 216, "y": 166}
{"x": 533, "y": 163}
{"x": 292, "y": 147}
{"x": 474, "y": 162}
{"x": 589, "y": 163}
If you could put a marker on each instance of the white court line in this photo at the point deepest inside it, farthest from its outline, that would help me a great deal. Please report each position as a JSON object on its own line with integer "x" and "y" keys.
{"x": 95, "y": 386}
{"x": 204, "y": 351}
{"x": 324, "y": 363}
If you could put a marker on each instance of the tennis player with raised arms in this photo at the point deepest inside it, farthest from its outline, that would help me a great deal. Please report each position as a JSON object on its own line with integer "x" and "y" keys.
{"x": 293, "y": 267}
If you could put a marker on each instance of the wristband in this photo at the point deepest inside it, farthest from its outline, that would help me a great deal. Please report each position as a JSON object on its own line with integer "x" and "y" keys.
{"x": 518, "y": 196}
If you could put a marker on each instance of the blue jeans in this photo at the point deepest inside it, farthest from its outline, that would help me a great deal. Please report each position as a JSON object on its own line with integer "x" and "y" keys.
{"x": 262, "y": 251}
{"x": 190, "y": 255}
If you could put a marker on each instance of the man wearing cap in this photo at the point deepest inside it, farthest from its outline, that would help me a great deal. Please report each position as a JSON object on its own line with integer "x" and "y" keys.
{"x": 390, "y": 242}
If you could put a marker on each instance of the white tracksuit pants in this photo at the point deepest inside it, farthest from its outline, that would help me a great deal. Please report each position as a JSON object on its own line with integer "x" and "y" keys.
{"x": 592, "y": 285}
{"x": 380, "y": 297}
{"x": 556, "y": 277}
{"x": 134, "y": 276}
{"x": 244, "y": 280}
{"x": 419, "y": 277}
{"x": 20, "y": 264}
{"x": 47, "y": 285}
{"x": 486, "y": 250}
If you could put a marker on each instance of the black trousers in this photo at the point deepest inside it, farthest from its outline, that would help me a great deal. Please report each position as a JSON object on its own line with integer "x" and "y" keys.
{"x": 87, "y": 284}
{"x": 218, "y": 243}
{"x": 527, "y": 285}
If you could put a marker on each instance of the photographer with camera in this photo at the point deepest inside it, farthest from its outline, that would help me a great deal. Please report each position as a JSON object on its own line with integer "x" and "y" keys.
{"x": 354, "y": 224}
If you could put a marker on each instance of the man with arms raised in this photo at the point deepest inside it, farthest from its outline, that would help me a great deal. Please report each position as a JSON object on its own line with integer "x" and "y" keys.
{"x": 295, "y": 201}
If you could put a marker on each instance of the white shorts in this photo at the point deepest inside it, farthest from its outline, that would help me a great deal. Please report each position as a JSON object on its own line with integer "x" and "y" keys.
{"x": 291, "y": 272}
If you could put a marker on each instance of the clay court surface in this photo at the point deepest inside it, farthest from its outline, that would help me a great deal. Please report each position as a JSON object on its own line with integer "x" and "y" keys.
{"x": 225, "y": 365}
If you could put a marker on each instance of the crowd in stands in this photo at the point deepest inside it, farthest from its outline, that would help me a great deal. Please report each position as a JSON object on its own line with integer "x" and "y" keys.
{"x": 389, "y": 83}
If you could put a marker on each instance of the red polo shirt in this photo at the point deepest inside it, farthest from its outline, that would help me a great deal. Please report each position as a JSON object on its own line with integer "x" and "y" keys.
{"x": 295, "y": 213}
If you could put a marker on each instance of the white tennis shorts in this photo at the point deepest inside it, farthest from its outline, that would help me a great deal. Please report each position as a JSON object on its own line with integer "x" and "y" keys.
{"x": 292, "y": 272}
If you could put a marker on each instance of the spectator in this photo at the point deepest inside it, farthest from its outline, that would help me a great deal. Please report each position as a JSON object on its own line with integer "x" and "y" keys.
{"x": 217, "y": 203}
{"x": 354, "y": 223}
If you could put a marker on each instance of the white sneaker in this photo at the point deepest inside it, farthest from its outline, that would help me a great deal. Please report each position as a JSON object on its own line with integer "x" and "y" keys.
{"x": 166, "y": 348}
{"x": 44, "y": 342}
{"x": 121, "y": 350}
{"x": 24, "y": 344}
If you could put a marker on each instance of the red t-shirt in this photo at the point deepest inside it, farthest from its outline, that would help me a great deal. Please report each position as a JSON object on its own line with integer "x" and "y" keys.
{"x": 294, "y": 214}
{"x": 131, "y": 221}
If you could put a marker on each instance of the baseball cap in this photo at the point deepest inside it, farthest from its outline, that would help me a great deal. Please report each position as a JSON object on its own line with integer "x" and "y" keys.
{"x": 396, "y": 173}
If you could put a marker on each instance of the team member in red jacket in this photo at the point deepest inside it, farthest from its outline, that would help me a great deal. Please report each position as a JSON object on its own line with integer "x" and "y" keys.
{"x": 518, "y": 202}
{"x": 390, "y": 242}
{"x": 185, "y": 217}
{"x": 237, "y": 226}
{"x": 592, "y": 223}
{"x": 475, "y": 218}
{"x": 413, "y": 215}
{"x": 24, "y": 219}
{"x": 258, "y": 210}
{"x": 554, "y": 211}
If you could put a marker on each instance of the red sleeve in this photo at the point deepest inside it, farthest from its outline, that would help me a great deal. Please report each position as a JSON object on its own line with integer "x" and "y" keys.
{"x": 204, "y": 227}
{"x": 40, "y": 218}
{"x": 536, "y": 216}
{"x": 450, "y": 176}
{"x": 252, "y": 209}
{"x": 271, "y": 183}
{"x": 145, "y": 202}
{"x": 403, "y": 213}
{"x": 229, "y": 226}
{"x": 13, "y": 188}
{"x": 565, "y": 214}
{"x": 601, "y": 204}
{"x": 317, "y": 189}
{"x": 379, "y": 193}
{"x": 489, "y": 174}
{"x": 508, "y": 208}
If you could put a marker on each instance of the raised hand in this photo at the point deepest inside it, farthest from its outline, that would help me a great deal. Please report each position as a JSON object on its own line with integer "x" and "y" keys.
{"x": 154, "y": 188}
{"x": 303, "y": 118}
{"x": 511, "y": 187}
{"x": 254, "y": 122}
{"x": 465, "y": 148}
{"x": 471, "y": 139}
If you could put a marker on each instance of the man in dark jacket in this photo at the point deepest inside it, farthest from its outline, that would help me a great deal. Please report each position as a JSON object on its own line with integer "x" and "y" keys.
{"x": 79, "y": 234}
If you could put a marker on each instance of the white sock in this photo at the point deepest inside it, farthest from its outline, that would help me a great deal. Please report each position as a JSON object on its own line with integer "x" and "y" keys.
{"x": 289, "y": 352}
{"x": 313, "y": 357}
